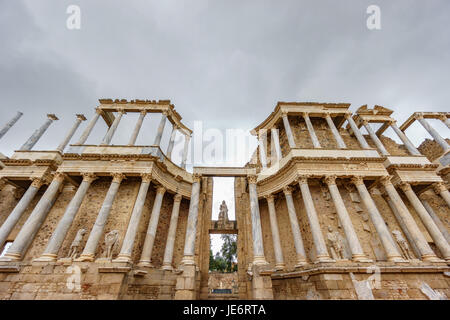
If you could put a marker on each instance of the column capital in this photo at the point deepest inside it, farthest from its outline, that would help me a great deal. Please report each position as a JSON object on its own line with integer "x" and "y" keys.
{"x": 165, "y": 113}
{"x": 439, "y": 187}
{"x": 330, "y": 179}
{"x": 89, "y": 176}
{"x": 347, "y": 115}
{"x": 385, "y": 180}
{"x": 252, "y": 179}
{"x": 284, "y": 114}
{"x": 405, "y": 186}
{"x": 121, "y": 110}
{"x": 37, "y": 182}
{"x": 197, "y": 177}
{"x": 52, "y": 116}
{"x": 365, "y": 122}
{"x": 442, "y": 117}
{"x": 146, "y": 177}
{"x": 287, "y": 190}
{"x": 270, "y": 198}
{"x": 177, "y": 197}
{"x": 59, "y": 176}
{"x": 118, "y": 177}
{"x": 357, "y": 180}
{"x": 392, "y": 122}
{"x": 160, "y": 190}
{"x": 327, "y": 114}
{"x": 143, "y": 112}
{"x": 302, "y": 178}
{"x": 305, "y": 114}
{"x": 418, "y": 116}
{"x": 81, "y": 117}
{"x": 98, "y": 111}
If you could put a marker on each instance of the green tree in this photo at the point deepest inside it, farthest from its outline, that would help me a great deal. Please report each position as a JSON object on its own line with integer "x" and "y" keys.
{"x": 229, "y": 251}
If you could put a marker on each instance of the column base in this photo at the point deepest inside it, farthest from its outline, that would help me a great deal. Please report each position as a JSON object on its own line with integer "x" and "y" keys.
{"x": 431, "y": 258}
{"x": 46, "y": 257}
{"x": 67, "y": 260}
{"x": 145, "y": 263}
{"x": 85, "y": 258}
{"x": 280, "y": 266}
{"x": 395, "y": 259}
{"x": 122, "y": 258}
{"x": 360, "y": 258}
{"x": 11, "y": 257}
{"x": 259, "y": 260}
{"x": 324, "y": 259}
{"x": 103, "y": 260}
{"x": 188, "y": 261}
{"x": 167, "y": 266}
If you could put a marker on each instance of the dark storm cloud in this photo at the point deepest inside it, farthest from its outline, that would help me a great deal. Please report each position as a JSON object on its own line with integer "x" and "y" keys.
{"x": 224, "y": 62}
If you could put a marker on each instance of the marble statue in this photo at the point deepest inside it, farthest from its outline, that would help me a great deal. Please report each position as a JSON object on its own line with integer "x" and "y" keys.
{"x": 223, "y": 212}
{"x": 111, "y": 243}
{"x": 76, "y": 243}
{"x": 336, "y": 246}
{"x": 403, "y": 244}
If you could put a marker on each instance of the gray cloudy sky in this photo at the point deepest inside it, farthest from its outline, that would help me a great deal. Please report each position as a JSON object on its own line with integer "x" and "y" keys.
{"x": 224, "y": 62}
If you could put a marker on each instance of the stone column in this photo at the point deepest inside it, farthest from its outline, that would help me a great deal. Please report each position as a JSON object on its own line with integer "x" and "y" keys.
{"x": 262, "y": 150}
{"x": 191, "y": 226}
{"x": 137, "y": 128}
{"x": 159, "y": 134}
{"x": 336, "y": 135}
{"x": 319, "y": 242}
{"x": 185, "y": 150}
{"x": 279, "y": 261}
{"x": 146, "y": 255}
{"x": 19, "y": 209}
{"x": 427, "y": 221}
{"x": 383, "y": 232}
{"x": 436, "y": 220}
{"x": 436, "y": 136}
{"x": 408, "y": 144}
{"x": 70, "y": 134}
{"x": 441, "y": 189}
{"x": 346, "y": 222}
{"x": 109, "y": 135}
{"x": 171, "y": 142}
{"x": 10, "y": 124}
{"x": 89, "y": 127}
{"x": 276, "y": 143}
{"x": 287, "y": 128}
{"x": 38, "y": 133}
{"x": 133, "y": 225}
{"x": 311, "y": 131}
{"x": 362, "y": 142}
{"x": 168, "y": 252}
{"x": 58, "y": 236}
{"x": 35, "y": 220}
{"x": 445, "y": 120}
{"x": 375, "y": 139}
{"x": 426, "y": 252}
{"x": 298, "y": 242}
{"x": 258, "y": 246}
{"x": 88, "y": 253}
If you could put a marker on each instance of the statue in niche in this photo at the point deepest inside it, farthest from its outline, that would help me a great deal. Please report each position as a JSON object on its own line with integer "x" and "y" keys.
{"x": 223, "y": 214}
{"x": 111, "y": 243}
{"x": 76, "y": 244}
{"x": 403, "y": 244}
{"x": 325, "y": 193}
{"x": 335, "y": 244}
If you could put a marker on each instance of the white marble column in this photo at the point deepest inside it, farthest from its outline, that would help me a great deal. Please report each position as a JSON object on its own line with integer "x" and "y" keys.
{"x": 426, "y": 252}
{"x": 279, "y": 260}
{"x": 346, "y": 222}
{"x": 35, "y": 220}
{"x": 133, "y": 225}
{"x": 159, "y": 134}
{"x": 298, "y": 241}
{"x": 440, "y": 188}
{"x": 58, "y": 236}
{"x": 258, "y": 246}
{"x": 375, "y": 139}
{"x": 90, "y": 126}
{"x": 171, "y": 142}
{"x": 147, "y": 249}
{"x": 287, "y": 128}
{"x": 427, "y": 221}
{"x": 185, "y": 151}
{"x": 312, "y": 132}
{"x": 408, "y": 144}
{"x": 137, "y": 128}
{"x": 362, "y": 141}
{"x": 70, "y": 134}
{"x": 384, "y": 234}
{"x": 436, "y": 136}
{"x": 170, "y": 242}
{"x": 191, "y": 227}
{"x": 436, "y": 220}
{"x": 10, "y": 123}
{"x": 262, "y": 148}
{"x": 109, "y": 135}
{"x": 276, "y": 143}
{"x": 445, "y": 120}
{"x": 319, "y": 242}
{"x": 38, "y": 133}
{"x": 19, "y": 209}
{"x": 88, "y": 253}
{"x": 340, "y": 142}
